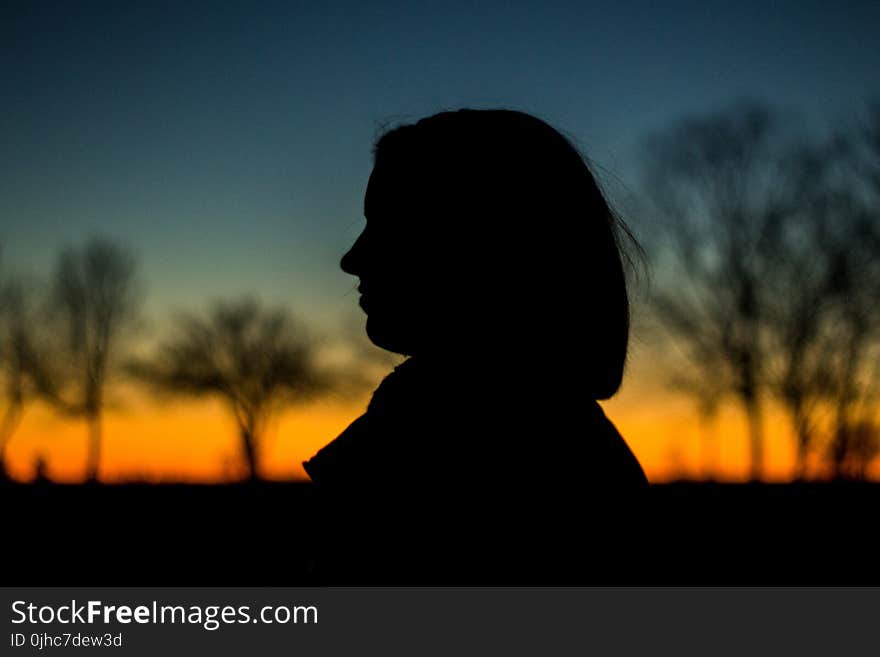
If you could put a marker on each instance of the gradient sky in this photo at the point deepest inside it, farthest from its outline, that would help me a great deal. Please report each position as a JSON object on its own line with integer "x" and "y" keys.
{"x": 230, "y": 143}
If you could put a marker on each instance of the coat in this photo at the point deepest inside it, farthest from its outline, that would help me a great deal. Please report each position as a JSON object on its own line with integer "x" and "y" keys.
{"x": 470, "y": 462}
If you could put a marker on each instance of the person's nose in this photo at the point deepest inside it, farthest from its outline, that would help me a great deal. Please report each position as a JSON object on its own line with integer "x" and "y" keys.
{"x": 352, "y": 261}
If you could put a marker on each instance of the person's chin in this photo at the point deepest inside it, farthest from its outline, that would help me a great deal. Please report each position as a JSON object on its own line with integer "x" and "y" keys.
{"x": 383, "y": 336}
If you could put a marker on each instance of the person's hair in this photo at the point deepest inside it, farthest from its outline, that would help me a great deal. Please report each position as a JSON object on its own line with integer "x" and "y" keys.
{"x": 520, "y": 194}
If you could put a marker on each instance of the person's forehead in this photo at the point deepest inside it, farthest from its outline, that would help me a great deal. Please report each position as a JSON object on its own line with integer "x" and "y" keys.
{"x": 390, "y": 185}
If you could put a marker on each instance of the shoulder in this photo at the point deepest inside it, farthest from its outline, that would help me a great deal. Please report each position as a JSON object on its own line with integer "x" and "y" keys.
{"x": 620, "y": 465}
{"x": 587, "y": 452}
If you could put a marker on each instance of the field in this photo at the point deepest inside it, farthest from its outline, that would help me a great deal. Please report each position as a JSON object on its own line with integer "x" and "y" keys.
{"x": 276, "y": 534}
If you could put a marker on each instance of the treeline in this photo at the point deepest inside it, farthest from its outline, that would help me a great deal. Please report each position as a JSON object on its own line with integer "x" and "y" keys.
{"x": 70, "y": 342}
{"x": 765, "y": 246}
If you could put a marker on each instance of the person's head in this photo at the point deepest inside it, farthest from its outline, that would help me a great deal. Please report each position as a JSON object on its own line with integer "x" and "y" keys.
{"x": 487, "y": 235}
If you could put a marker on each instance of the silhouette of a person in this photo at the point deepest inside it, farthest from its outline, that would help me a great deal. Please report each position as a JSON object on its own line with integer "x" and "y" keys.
{"x": 491, "y": 258}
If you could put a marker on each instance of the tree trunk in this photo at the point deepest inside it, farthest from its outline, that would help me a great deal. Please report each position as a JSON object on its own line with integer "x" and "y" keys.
{"x": 709, "y": 447}
{"x": 94, "y": 453}
{"x": 800, "y": 466}
{"x": 756, "y": 437}
{"x": 10, "y": 421}
{"x": 249, "y": 445}
{"x": 801, "y": 427}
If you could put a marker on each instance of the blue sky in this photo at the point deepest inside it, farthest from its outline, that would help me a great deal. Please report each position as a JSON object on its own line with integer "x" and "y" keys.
{"x": 229, "y": 144}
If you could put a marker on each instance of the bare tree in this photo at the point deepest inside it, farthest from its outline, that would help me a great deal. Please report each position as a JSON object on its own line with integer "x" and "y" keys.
{"x": 803, "y": 248}
{"x": 772, "y": 273}
{"x": 95, "y": 301}
{"x": 853, "y": 369}
{"x": 256, "y": 360}
{"x": 853, "y": 448}
{"x": 17, "y": 359}
{"x": 710, "y": 182}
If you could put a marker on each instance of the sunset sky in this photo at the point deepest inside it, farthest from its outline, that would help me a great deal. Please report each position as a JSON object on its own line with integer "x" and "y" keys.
{"x": 229, "y": 145}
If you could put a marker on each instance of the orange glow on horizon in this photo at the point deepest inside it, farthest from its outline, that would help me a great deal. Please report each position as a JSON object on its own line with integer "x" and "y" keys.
{"x": 186, "y": 441}
{"x": 197, "y": 441}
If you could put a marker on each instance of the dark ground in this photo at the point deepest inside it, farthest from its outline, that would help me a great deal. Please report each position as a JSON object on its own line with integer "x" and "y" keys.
{"x": 275, "y": 534}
